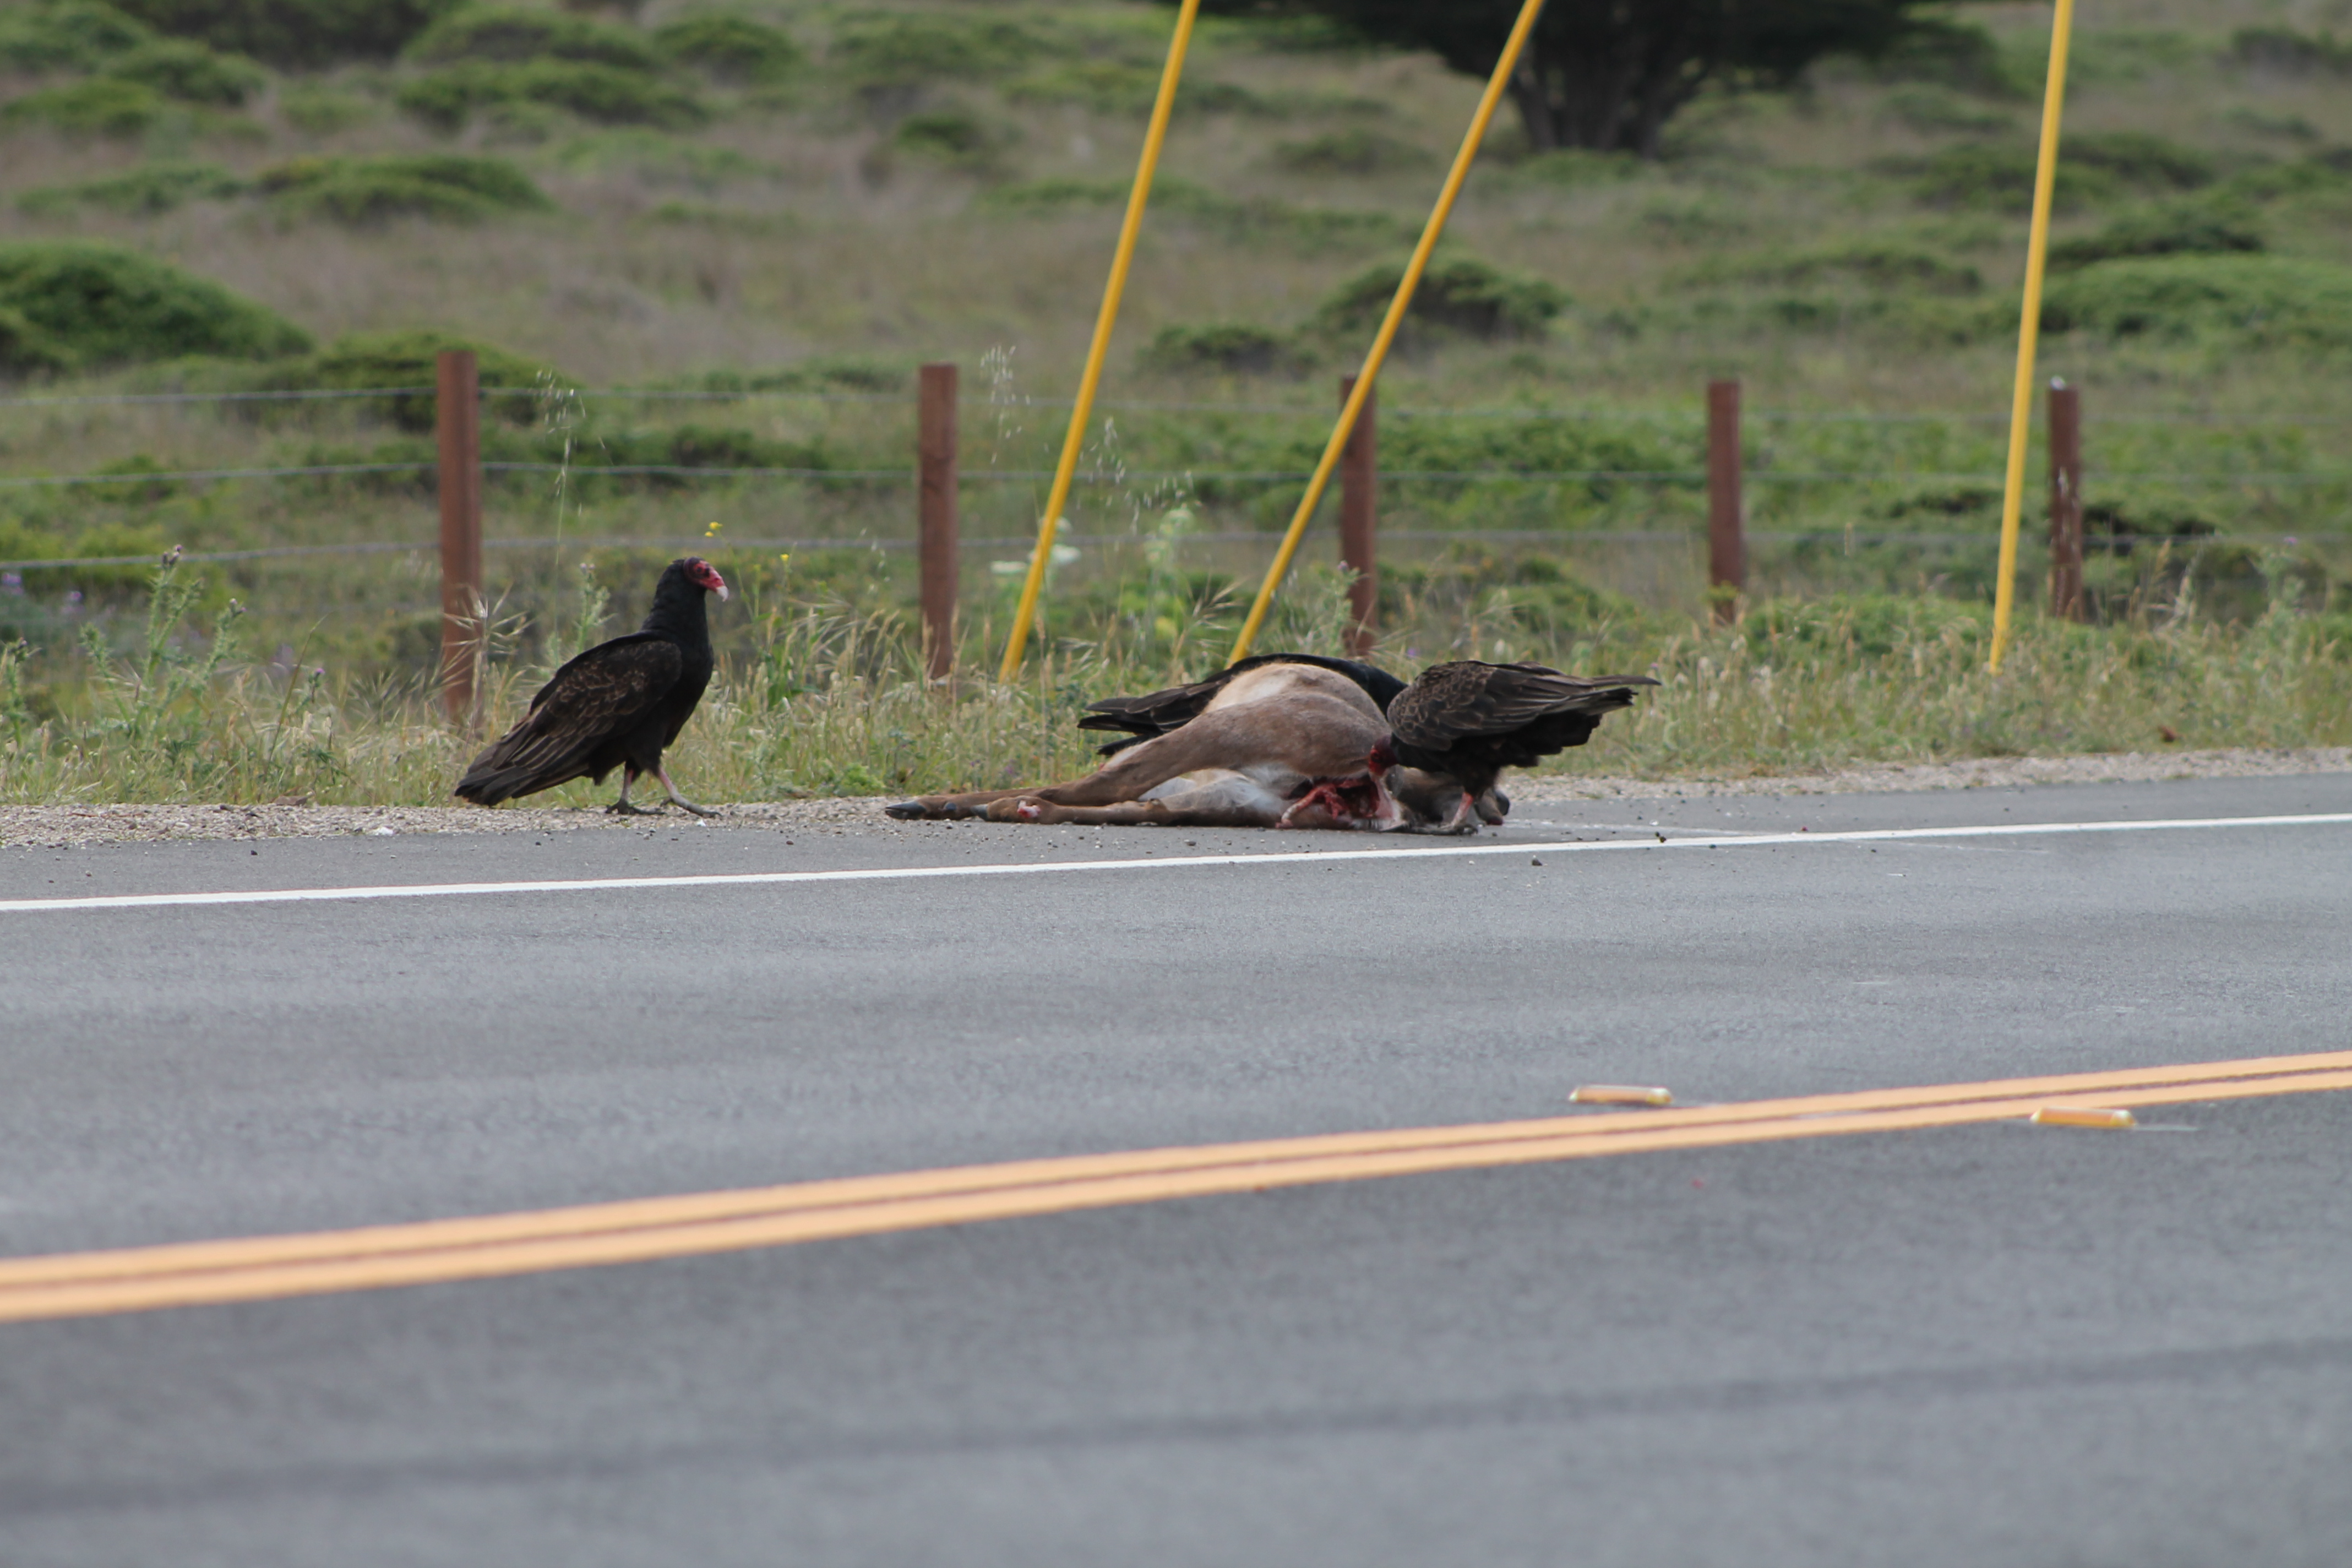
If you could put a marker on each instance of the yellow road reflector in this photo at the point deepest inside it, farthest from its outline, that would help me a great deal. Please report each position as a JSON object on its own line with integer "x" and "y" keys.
{"x": 1619, "y": 1094}
{"x": 2082, "y": 1116}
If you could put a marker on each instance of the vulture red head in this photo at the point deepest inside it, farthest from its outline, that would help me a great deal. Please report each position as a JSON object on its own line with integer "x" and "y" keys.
{"x": 705, "y": 575}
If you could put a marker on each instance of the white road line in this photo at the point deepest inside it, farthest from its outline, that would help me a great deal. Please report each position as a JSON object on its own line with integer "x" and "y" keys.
{"x": 1304, "y": 857}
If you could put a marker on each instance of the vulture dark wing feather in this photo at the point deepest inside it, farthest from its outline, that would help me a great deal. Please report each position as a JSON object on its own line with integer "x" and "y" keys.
{"x": 1156, "y": 713}
{"x": 572, "y": 716}
{"x": 1470, "y": 721}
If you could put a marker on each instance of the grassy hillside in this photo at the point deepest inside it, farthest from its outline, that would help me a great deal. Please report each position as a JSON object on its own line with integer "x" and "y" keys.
{"x": 780, "y": 209}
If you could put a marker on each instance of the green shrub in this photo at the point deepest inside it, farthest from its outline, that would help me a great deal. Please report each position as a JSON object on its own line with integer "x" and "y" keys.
{"x": 1997, "y": 174}
{"x": 1876, "y": 265}
{"x": 411, "y": 358}
{"x": 99, "y": 304}
{"x": 1937, "y": 111}
{"x": 1355, "y": 150}
{"x": 956, "y": 137}
{"x": 2265, "y": 300}
{"x": 2289, "y": 53}
{"x": 319, "y": 110}
{"x": 35, "y": 40}
{"x": 1458, "y": 295}
{"x": 26, "y": 349}
{"x": 2139, "y": 160}
{"x": 1950, "y": 54}
{"x": 2199, "y": 229}
{"x": 1872, "y": 624}
{"x": 699, "y": 446}
{"x": 144, "y": 191}
{"x": 294, "y": 33}
{"x": 898, "y": 51}
{"x": 1233, "y": 348}
{"x": 187, "y": 70}
{"x": 1571, "y": 166}
{"x": 448, "y": 186}
{"x": 607, "y": 95}
{"x": 653, "y": 155}
{"x": 510, "y": 37}
{"x": 1248, "y": 220}
{"x": 1107, "y": 87}
{"x": 731, "y": 48}
{"x": 101, "y": 106}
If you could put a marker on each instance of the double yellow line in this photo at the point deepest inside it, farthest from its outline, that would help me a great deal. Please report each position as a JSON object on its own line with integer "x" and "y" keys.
{"x": 143, "y": 1278}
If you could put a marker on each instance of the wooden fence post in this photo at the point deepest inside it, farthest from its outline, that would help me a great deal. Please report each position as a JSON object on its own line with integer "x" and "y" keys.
{"x": 2066, "y": 502}
{"x": 936, "y": 451}
{"x": 1726, "y": 548}
{"x": 1359, "y": 479}
{"x": 459, "y": 411}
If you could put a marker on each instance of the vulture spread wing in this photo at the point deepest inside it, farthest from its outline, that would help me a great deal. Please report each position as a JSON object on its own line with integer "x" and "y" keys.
{"x": 595, "y": 699}
{"x": 1140, "y": 718}
{"x": 1452, "y": 702}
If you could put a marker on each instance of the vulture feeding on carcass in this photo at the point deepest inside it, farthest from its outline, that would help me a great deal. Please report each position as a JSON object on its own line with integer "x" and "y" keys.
{"x": 1469, "y": 721}
{"x": 618, "y": 705}
{"x": 1140, "y": 718}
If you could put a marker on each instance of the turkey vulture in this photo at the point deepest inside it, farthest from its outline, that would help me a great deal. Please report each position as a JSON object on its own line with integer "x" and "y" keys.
{"x": 1141, "y": 718}
{"x": 1470, "y": 721}
{"x": 618, "y": 705}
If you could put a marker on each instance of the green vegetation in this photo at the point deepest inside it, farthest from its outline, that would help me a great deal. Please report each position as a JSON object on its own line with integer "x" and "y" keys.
{"x": 363, "y": 360}
{"x": 764, "y": 216}
{"x": 67, "y": 35}
{"x": 148, "y": 189}
{"x": 293, "y": 34}
{"x": 734, "y": 51}
{"x": 2274, "y": 301}
{"x": 72, "y": 303}
{"x": 448, "y": 186}
{"x": 1231, "y": 348}
{"x": 1457, "y": 294}
{"x": 191, "y": 73}
{"x": 101, "y": 106}
{"x": 603, "y": 94}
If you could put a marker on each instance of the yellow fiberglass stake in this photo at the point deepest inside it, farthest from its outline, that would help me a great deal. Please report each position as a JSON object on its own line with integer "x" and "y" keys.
{"x": 1108, "y": 316}
{"x": 2029, "y": 329}
{"x": 1378, "y": 352}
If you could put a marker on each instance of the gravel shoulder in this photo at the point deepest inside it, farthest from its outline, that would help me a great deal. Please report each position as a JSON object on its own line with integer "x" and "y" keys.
{"x": 61, "y": 826}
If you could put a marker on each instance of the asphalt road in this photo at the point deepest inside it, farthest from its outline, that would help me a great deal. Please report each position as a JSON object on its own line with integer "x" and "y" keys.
{"x": 1987, "y": 1344}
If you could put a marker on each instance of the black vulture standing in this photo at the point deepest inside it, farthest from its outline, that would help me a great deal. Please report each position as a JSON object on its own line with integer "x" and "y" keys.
{"x": 618, "y": 705}
{"x": 1470, "y": 721}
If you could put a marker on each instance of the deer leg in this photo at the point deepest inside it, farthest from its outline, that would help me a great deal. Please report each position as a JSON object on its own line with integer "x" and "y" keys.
{"x": 1127, "y": 814}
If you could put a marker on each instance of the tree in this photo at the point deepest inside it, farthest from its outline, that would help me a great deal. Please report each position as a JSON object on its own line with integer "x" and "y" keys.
{"x": 1608, "y": 74}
